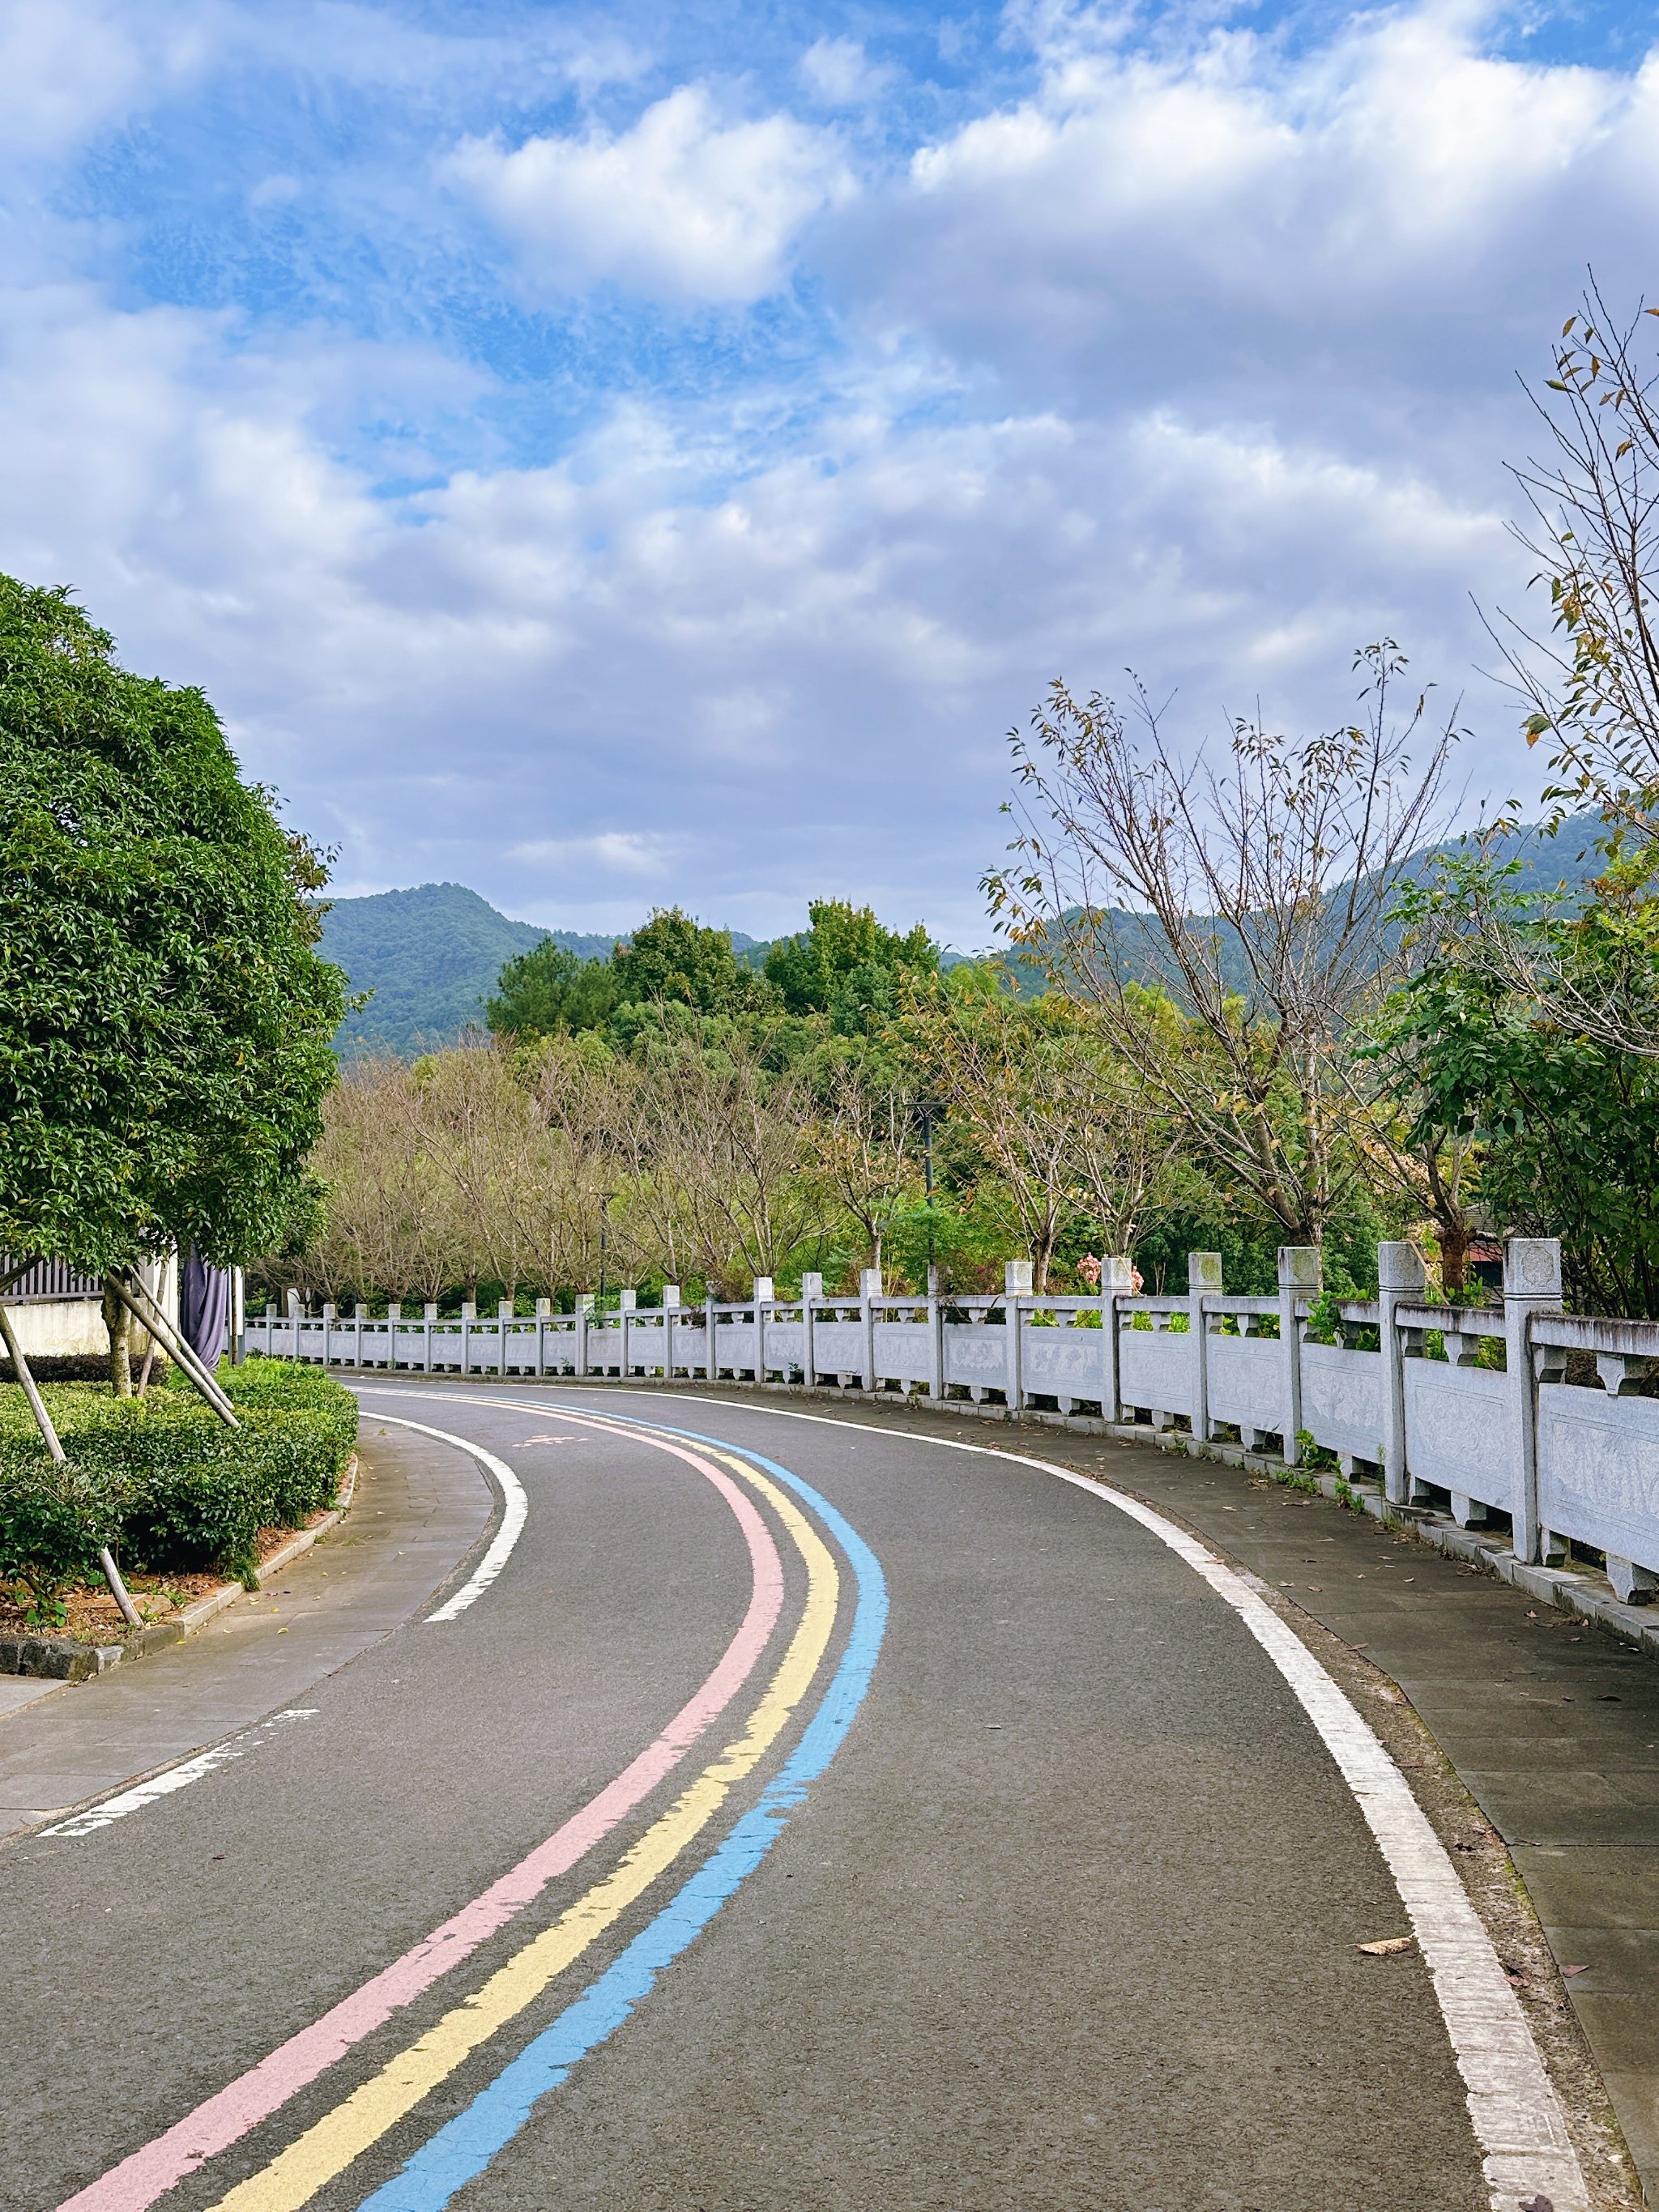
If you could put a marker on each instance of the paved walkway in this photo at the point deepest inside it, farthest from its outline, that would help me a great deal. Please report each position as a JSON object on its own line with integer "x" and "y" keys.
{"x": 670, "y": 1870}
{"x": 419, "y": 1508}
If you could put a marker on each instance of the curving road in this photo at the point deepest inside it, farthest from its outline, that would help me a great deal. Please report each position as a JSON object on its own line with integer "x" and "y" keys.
{"x": 771, "y": 1812}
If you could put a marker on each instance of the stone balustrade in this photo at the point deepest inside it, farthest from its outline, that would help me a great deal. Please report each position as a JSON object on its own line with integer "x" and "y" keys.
{"x": 1469, "y": 1409}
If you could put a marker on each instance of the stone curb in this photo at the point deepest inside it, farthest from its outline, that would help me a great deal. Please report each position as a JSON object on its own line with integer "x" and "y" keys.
{"x": 61, "y": 1659}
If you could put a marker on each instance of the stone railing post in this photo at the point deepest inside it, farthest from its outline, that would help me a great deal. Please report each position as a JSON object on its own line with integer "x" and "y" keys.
{"x": 1017, "y": 1276}
{"x": 710, "y": 1347}
{"x": 543, "y": 1315}
{"x": 1402, "y": 1280}
{"x": 330, "y": 1313}
{"x": 1301, "y": 1271}
{"x": 505, "y": 1311}
{"x": 584, "y": 1316}
{"x": 671, "y": 1300}
{"x": 626, "y": 1302}
{"x": 870, "y": 1288}
{"x": 935, "y": 1337}
{"x": 1531, "y": 1284}
{"x": 811, "y": 1287}
{"x": 765, "y": 1292}
{"x": 1203, "y": 1280}
{"x": 1117, "y": 1280}
{"x": 469, "y": 1315}
{"x": 428, "y": 1315}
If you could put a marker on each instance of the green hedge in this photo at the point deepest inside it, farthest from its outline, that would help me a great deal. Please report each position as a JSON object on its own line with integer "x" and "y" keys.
{"x": 162, "y": 1479}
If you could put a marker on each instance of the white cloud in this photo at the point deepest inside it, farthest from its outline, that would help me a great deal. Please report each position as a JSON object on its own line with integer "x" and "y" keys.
{"x": 680, "y": 207}
{"x": 609, "y": 853}
{"x": 838, "y": 73}
{"x": 583, "y": 689}
{"x": 1394, "y": 208}
{"x": 1200, "y": 361}
{"x": 69, "y": 68}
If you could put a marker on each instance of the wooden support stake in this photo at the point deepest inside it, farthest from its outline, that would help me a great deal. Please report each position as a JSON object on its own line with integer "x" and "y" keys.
{"x": 20, "y": 1368}
{"x": 130, "y": 1292}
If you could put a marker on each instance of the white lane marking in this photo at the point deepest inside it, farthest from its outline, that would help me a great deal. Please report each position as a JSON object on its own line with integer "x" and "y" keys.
{"x": 514, "y": 1506}
{"x": 175, "y": 1777}
{"x": 1527, "y": 2153}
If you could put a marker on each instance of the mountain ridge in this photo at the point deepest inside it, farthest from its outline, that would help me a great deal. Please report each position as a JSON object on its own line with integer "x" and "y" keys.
{"x": 431, "y": 954}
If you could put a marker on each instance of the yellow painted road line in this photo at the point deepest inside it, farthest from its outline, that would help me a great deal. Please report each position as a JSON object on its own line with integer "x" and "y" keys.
{"x": 327, "y": 2148}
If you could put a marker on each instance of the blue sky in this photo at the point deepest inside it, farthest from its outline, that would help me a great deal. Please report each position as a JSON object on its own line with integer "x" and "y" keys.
{"x": 642, "y": 454}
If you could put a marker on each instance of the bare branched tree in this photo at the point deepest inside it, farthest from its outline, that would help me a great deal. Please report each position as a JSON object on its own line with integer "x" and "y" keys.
{"x": 1052, "y": 1111}
{"x": 1253, "y": 896}
{"x": 1592, "y": 527}
{"x": 393, "y": 1224}
{"x": 589, "y": 1103}
{"x": 867, "y": 1143}
{"x": 732, "y": 1146}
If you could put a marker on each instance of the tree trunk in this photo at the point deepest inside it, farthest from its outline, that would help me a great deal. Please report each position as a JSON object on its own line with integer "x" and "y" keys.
{"x": 119, "y": 1322}
{"x": 1454, "y": 1232}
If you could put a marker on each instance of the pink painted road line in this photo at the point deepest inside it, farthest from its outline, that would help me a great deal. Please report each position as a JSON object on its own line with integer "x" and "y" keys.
{"x": 229, "y": 2113}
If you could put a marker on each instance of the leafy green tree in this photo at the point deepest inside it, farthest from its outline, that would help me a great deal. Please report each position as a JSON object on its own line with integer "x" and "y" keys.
{"x": 672, "y": 958}
{"x": 164, "y": 1018}
{"x": 551, "y": 991}
{"x": 1568, "y": 1124}
{"x": 845, "y": 965}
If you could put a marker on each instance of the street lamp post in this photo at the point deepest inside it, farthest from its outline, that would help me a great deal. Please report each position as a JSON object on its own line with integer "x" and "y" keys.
{"x": 605, "y": 1197}
{"x": 928, "y": 1180}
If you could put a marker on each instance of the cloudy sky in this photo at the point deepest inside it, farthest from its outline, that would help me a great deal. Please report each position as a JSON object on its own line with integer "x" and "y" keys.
{"x": 653, "y": 453}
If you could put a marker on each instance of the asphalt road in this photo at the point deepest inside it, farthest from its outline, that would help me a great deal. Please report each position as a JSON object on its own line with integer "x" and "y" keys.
{"x": 1029, "y": 1882}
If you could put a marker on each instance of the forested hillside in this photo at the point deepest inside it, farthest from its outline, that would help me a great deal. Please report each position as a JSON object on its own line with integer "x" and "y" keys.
{"x": 430, "y": 956}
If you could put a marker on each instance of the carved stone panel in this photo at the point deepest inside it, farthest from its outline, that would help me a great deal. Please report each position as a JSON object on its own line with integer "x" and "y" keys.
{"x": 1246, "y": 1381}
{"x": 1155, "y": 1370}
{"x": 1458, "y": 1431}
{"x": 904, "y": 1351}
{"x": 838, "y": 1346}
{"x": 1064, "y": 1362}
{"x": 1598, "y": 1470}
{"x": 1342, "y": 1400}
{"x": 976, "y": 1356}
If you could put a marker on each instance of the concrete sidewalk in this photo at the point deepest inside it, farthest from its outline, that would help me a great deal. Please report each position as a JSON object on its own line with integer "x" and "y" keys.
{"x": 420, "y": 1507}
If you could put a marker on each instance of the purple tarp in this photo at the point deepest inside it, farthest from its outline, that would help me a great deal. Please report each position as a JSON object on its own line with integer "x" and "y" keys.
{"x": 204, "y": 1308}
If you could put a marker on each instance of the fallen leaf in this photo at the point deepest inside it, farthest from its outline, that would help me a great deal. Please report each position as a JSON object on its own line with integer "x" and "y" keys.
{"x": 1574, "y": 1970}
{"x": 1387, "y": 1946}
{"x": 1611, "y": 1697}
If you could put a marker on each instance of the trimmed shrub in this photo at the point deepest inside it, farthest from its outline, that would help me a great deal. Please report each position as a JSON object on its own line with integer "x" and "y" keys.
{"x": 161, "y": 1477}
{"x": 53, "y": 1520}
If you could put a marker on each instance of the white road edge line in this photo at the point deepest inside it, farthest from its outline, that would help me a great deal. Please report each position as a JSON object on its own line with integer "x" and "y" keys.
{"x": 514, "y": 1507}
{"x": 115, "y": 1808}
{"x": 1528, "y": 2154}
